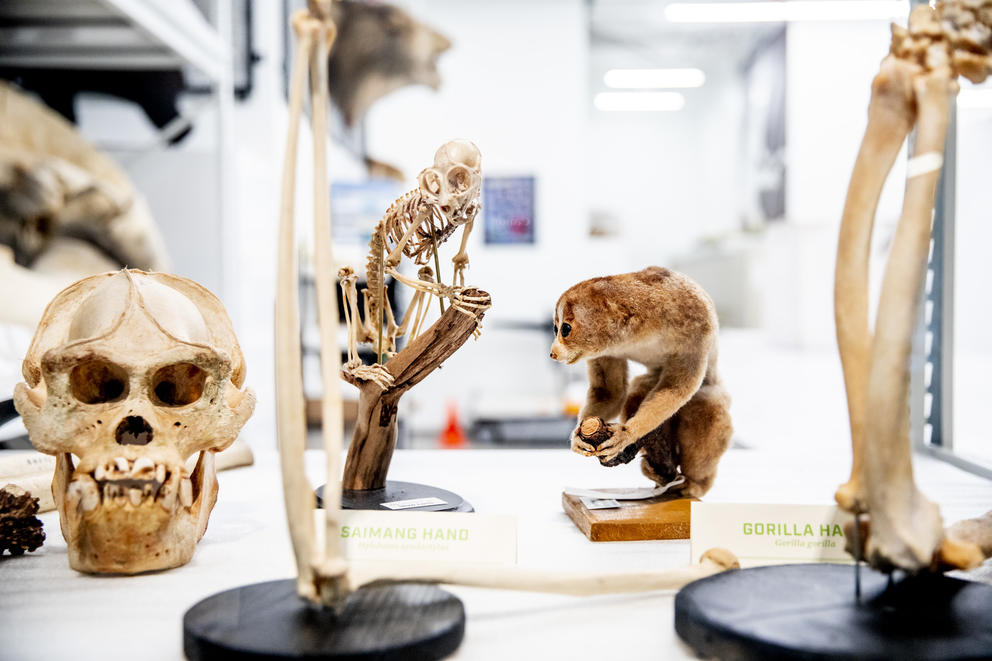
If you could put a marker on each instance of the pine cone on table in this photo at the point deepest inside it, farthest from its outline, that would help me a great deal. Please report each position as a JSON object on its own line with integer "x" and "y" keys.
{"x": 20, "y": 529}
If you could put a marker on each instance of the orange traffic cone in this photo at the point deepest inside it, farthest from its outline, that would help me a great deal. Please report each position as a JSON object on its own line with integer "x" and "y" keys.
{"x": 453, "y": 436}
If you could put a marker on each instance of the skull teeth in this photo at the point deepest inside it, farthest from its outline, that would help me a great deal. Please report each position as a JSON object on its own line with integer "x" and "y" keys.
{"x": 86, "y": 494}
{"x": 121, "y": 481}
{"x": 186, "y": 492}
{"x": 167, "y": 497}
{"x": 143, "y": 465}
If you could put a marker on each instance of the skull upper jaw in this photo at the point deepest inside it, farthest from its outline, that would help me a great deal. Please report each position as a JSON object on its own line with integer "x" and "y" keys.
{"x": 118, "y": 535}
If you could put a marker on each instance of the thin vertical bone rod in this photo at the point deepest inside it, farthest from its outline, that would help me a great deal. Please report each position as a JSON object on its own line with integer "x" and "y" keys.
{"x": 327, "y": 302}
{"x": 906, "y": 527}
{"x": 890, "y": 117}
{"x": 290, "y": 404}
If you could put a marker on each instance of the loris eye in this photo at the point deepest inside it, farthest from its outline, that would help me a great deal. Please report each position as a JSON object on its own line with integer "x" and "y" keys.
{"x": 565, "y": 330}
{"x": 555, "y": 328}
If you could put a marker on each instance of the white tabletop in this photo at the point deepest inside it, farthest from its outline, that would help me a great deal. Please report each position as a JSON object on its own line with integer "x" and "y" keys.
{"x": 48, "y": 611}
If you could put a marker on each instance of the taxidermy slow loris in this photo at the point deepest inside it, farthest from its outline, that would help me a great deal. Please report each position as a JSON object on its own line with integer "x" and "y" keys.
{"x": 677, "y": 414}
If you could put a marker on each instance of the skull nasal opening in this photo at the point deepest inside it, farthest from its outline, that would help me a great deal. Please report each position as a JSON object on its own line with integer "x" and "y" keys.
{"x": 134, "y": 430}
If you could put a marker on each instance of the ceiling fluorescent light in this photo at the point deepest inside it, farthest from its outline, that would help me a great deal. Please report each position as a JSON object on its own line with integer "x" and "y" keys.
{"x": 975, "y": 99}
{"x": 785, "y": 12}
{"x": 654, "y": 78}
{"x": 639, "y": 101}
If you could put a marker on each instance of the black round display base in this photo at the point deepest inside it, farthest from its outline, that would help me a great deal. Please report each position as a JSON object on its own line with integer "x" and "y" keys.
{"x": 375, "y": 499}
{"x": 809, "y": 612}
{"x": 270, "y": 621}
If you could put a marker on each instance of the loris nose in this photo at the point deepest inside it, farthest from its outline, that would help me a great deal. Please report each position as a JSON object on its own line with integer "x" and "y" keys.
{"x": 554, "y": 355}
{"x": 134, "y": 430}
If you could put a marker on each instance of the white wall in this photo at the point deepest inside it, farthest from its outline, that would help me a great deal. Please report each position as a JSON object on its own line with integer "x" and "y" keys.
{"x": 830, "y": 67}
{"x": 670, "y": 177}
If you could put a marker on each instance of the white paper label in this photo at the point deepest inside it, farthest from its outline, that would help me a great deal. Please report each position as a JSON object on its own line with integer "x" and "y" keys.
{"x": 770, "y": 534}
{"x": 414, "y": 502}
{"x": 434, "y": 536}
{"x": 599, "y": 503}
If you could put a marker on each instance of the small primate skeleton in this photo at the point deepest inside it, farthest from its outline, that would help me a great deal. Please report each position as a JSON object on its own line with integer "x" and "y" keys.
{"x": 914, "y": 87}
{"x": 414, "y": 226}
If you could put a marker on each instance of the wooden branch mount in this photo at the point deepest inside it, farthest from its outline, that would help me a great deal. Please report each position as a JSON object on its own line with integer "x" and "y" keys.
{"x": 372, "y": 445}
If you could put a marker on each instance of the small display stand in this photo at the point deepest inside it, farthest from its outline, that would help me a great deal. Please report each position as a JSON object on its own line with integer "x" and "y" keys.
{"x": 810, "y": 612}
{"x": 402, "y": 496}
{"x": 661, "y": 517}
{"x": 270, "y": 621}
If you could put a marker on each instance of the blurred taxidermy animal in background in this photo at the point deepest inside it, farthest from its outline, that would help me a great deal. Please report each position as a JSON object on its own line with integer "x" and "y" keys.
{"x": 379, "y": 49}
{"x": 677, "y": 414}
{"x": 66, "y": 210}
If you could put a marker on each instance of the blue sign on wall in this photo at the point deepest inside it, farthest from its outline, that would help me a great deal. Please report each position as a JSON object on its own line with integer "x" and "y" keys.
{"x": 508, "y": 209}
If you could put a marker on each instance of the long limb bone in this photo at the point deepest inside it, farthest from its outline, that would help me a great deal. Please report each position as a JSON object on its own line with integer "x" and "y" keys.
{"x": 427, "y": 276}
{"x": 396, "y": 254}
{"x": 906, "y": 527}
{"x": 890, "y": 118}
{"x": 290, "y": 419}
{"x": 460, "y": 259}
{"x": 347, "y": 279}
{"x": 412, "y": 313}
{"x": 916, "y": 85}
{"x": 579, "y": 584}
{"x": 329, "y": 567}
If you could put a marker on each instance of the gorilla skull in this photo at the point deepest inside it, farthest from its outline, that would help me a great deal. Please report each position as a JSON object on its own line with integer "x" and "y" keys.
{"x": 130, "y": 374}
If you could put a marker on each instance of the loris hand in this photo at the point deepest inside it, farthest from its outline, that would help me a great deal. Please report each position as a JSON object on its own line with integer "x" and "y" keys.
{"x": 620, "y": 448}
{"x": 579, "y": 446}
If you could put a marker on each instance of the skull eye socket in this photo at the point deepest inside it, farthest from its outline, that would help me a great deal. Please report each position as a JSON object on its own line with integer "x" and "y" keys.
{"x": 430, "y": 182}
{"x": 565, "y": 330}
{"x": 97, "y": 381}
{"x": 459, "y": 178}
{"x": 179, "y": 384}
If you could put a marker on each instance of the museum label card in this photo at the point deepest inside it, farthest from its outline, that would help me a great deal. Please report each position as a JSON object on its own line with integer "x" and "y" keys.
{"x": 426, "y": 536}
{"x": 765, "y": 534}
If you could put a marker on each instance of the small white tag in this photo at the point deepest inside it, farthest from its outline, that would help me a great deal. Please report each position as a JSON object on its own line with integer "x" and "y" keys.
{"x": 770, "y": 534}
{"x": 599, "y": 503}
{"x": 642, "y": 493}
{"x": 425, "y": 536}
{"x": 414, "y": 502}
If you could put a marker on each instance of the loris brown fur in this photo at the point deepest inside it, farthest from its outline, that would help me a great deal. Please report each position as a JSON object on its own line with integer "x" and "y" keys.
{"x": 666, "y": 322}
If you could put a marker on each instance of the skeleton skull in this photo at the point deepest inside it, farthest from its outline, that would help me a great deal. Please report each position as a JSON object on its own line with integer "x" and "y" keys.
{"x": 455, "y": 180}
{"x": 133, "y": 373}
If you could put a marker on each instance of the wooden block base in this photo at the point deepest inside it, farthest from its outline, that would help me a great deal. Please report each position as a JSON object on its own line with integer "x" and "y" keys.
{"x": 663, "y": 517}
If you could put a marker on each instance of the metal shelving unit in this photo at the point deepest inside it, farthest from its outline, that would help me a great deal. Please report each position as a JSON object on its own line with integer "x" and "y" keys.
{"x": 136, "y": 35}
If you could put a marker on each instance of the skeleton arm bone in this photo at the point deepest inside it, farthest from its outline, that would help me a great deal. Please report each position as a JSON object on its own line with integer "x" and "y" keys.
{"x": 424, "y": 213}
{"x": 460, "y": 260}
{"x": 890, "y": 118}
{"x": 906, "y": 527}
{"x": 580, "y": 584}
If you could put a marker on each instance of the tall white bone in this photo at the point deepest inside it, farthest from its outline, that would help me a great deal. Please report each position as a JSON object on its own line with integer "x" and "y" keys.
{"x": 916, "y": 85}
